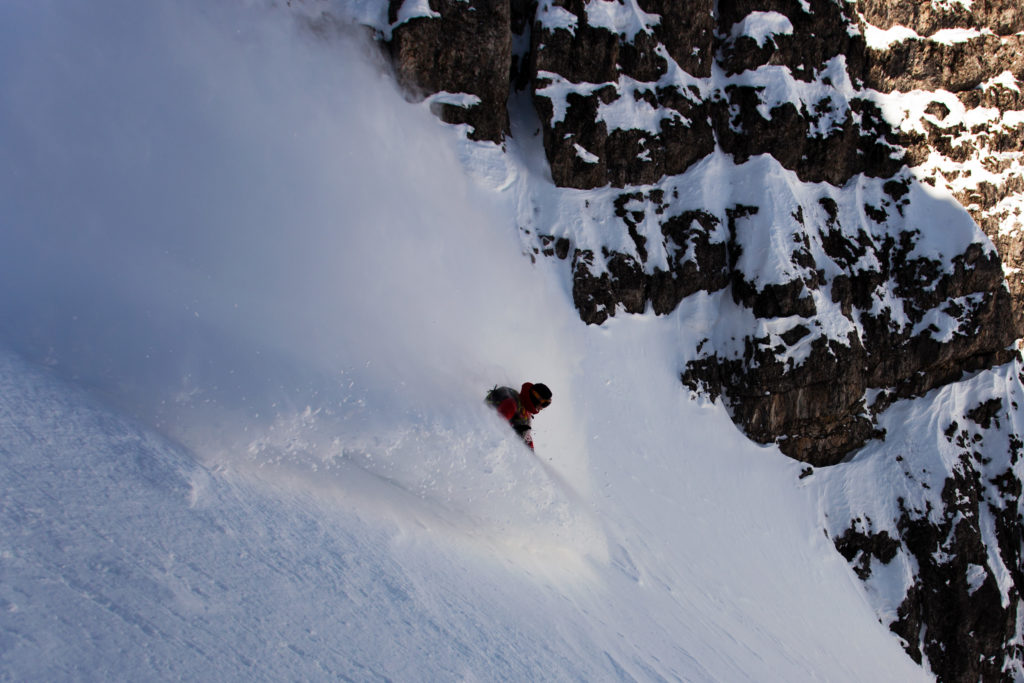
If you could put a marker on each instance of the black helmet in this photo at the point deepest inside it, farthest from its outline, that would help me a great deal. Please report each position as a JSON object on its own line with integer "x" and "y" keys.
{"x": 540, "y": 396}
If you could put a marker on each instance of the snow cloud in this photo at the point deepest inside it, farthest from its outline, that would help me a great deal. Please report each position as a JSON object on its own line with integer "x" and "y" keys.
{"x": 211, "y": 207}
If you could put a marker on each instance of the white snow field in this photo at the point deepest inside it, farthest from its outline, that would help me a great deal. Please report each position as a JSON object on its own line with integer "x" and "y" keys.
{"x": 252, "y": 300}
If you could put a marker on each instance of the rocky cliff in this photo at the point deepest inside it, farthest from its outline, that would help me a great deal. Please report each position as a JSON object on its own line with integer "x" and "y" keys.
{"x": 884, "y": 266}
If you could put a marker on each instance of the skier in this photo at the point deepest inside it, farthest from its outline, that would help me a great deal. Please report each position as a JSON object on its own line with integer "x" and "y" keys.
{"x": 519, "y": 407}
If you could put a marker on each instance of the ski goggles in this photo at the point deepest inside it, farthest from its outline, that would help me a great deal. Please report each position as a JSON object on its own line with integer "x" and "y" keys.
{"x": 538, "y": 401}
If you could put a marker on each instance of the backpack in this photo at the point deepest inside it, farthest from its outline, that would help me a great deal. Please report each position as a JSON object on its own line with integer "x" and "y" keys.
{"x": 521, "y": 420}
{"x": 497, "y": 395}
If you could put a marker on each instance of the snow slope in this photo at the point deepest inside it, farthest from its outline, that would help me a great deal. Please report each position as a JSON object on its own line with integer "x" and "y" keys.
{"x": 252, "y": 303}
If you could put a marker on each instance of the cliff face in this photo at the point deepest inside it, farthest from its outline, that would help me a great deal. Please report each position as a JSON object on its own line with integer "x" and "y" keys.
{"x": 459, "y": 48}
{"x": 965, "y": 132}
{"x": 886, "y": 132}
{"x": 631, "y": 94}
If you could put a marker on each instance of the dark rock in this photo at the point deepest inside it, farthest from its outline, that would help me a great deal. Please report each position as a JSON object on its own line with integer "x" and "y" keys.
{"x": 622, "y": 157}
{"x": 938, "y": 110}
{"x": 553, "y": 246}
{"x": 564, "y": 140}
{"x": 687, "y": 31}
{"x": 986, "y": 412}
{"x": 929, "y": 65}
{"x": 468, "y": 49}
{"x": 953, "y": 614}
{"x": 1003, "y": 17}
{"x": 698, "y": 262}
{"x": 858, "y": 547}
{"x": 689, "y": 232}
{"x": 624, "y": 284}
{"x": 815, "y": 411}
{"x": 794, "y": 334}
{"x": 819, "y": 34}
{"x": 866, "y": 145}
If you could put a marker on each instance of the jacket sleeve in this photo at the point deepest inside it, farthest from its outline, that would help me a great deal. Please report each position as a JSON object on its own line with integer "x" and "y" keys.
{"x": 507, "y": 408}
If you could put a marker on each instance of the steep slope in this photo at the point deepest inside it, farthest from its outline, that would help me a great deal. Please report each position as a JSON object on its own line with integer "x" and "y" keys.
{"x": 124, "y": 559}
{"x": 846, "y": 174}
{"x": 254, "y": 303}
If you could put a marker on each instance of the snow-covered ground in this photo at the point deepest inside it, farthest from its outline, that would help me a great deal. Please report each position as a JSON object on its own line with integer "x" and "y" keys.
{"x": 252, "y": 302}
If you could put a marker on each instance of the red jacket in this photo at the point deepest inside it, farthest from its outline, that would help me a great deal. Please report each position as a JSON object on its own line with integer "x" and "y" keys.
{"x": 519, "y": 411}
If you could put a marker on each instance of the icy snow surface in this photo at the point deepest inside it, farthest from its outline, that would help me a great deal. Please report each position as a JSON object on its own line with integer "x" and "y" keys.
{"x": 251, "y": 307}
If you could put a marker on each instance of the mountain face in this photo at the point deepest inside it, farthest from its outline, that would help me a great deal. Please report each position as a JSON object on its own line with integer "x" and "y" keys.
{"x": 869, "y": 239}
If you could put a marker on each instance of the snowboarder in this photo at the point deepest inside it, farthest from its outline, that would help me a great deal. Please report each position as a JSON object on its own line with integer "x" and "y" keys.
{"x": 519, "y": 407}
